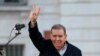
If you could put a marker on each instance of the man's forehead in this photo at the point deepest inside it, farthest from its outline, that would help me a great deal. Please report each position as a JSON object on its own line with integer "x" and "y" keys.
{"x": 57, "y": 31}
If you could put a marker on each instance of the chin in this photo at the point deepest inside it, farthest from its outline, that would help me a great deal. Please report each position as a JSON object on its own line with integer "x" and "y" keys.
{"x": 58, "y": 46}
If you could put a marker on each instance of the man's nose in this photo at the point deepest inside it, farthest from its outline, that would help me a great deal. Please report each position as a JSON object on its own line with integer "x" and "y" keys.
{"x": 57, "y": 38}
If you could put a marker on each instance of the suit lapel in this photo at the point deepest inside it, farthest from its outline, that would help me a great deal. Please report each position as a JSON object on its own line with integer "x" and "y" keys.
{"x": 68, "y": 51}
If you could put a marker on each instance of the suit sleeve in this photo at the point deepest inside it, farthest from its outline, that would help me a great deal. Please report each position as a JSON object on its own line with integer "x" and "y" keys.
{"x": 80, "y": 54}
{"x": 37, "y": 38}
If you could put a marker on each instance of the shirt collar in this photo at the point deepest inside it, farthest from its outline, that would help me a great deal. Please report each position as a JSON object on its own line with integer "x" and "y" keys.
{"x": 63, "y": 50}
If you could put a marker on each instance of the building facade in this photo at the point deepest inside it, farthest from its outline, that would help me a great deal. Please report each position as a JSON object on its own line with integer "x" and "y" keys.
{"x": 80, "y": 17}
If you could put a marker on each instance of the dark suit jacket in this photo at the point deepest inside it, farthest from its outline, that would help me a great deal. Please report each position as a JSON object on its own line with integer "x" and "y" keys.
{"x": 46, "y": 47}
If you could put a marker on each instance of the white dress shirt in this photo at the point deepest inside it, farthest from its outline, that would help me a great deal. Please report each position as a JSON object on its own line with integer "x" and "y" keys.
{"x": 63, "y": 50}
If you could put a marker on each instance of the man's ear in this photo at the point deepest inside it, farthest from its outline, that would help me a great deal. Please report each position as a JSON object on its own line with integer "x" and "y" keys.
{"x": 66, "y": 35}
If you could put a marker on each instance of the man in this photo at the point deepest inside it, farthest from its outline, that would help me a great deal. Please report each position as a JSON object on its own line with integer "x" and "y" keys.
{"x": 57, "y": 45}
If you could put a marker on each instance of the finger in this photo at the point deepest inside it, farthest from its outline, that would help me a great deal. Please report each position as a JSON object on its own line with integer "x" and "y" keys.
{"x": 33, "y": 9}
{"x": 37, "y": 11}
{"x": 34, "y": 13}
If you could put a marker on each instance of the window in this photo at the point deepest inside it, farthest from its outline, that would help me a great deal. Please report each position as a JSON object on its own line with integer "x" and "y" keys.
{"x": 13, "y": 2}
{"x": 14, "y": 50}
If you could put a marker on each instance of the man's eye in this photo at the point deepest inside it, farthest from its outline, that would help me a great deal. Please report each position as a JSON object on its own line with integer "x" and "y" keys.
{"x": 54, "y": 35}
{"x": 60, "y": 35}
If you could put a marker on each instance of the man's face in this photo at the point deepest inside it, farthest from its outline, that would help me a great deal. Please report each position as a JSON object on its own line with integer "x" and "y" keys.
{"x": 58, "y": 38}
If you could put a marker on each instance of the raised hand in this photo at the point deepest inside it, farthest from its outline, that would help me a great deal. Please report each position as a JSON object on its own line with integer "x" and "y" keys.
{"x": 34, "y": 14}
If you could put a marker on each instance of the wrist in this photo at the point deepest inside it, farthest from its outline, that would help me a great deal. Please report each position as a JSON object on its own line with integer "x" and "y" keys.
{"x": 33, "y": 24}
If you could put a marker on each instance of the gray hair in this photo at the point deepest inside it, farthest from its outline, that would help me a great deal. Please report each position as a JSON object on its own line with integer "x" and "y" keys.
{"x": 59, "y": 26}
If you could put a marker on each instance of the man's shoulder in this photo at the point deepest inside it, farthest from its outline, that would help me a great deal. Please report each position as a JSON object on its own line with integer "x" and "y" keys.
{"x": 72, "y": 47}
{"x": 73, "y": 50}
